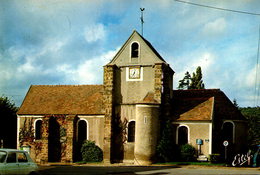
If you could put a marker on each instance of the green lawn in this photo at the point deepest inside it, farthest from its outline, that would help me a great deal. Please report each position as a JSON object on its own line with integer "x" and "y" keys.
{"x": 193, "y": 163}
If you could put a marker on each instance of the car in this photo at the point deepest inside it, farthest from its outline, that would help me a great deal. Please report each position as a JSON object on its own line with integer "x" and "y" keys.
{"x": 16, "y": 162}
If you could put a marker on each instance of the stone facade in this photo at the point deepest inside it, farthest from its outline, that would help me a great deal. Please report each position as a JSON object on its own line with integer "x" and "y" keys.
{"x": 109, "y": 109}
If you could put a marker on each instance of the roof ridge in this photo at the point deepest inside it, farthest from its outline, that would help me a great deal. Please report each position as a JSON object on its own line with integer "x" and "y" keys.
{"x": 213, "y": 89}
{"x": 70, "y": 85}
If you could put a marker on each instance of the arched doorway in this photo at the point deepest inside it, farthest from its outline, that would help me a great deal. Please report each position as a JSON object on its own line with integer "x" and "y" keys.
{"x": 228, "y": 132}
{"x": 182, "y": 135}
{"x": 82, "y": 135}
{"x": 54, "y": 146}
{"x": 82, "y": 131}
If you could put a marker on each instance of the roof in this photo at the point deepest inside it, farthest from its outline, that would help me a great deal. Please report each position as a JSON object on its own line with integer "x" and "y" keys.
{"x": 203, "y": 104}
{"x": 62, "y": 99}
{"x": 149, "y": 99}
{"x": 147, "y": 42}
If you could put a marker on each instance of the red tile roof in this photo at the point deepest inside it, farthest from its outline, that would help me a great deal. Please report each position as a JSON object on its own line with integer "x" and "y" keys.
{"x": 201, "y": 104}
{"x": 149, "y": 99}
{"x": 63, "y": 99}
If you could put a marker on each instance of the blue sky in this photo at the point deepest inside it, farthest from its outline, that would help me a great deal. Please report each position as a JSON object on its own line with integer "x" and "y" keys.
{"x": 68, "y": 42}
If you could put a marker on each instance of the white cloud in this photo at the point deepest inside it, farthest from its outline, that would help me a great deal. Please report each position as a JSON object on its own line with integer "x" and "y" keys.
{"x": 91, "y": 71}
{"x": 88, "y": 72}
{"x": 26, "y": 68}
{"x": 250, "y": 78}
{"x": 190, "y": 61}
{"x": 216, "y": 27}
{"x": 94, "y": 33}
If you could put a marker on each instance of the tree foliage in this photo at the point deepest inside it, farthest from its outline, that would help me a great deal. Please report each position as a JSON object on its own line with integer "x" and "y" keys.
{"x": 166, "y": 148}
{"x": 8, "y": 122}
{"x": 192, "y": 82}
{"x": 253, "y": 116}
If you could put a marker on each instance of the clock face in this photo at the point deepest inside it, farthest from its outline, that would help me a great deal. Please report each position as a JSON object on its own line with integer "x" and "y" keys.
{"x": 134, "y": 73}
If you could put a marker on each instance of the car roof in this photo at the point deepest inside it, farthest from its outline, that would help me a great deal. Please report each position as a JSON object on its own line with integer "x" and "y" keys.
{"x": 11, "y": 150}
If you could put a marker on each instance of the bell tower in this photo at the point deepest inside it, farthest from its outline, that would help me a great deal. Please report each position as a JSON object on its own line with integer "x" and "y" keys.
{"x": 137, "y": 85}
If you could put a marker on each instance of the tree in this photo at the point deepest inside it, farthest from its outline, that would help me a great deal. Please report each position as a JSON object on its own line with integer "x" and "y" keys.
{"x": 8, "y": 129}
{"x": 194, "y": 82}
{"x": 235, "y": 103}
{"x": 253, "y": 117}
{"x": 185, "y": 82}
{"x": 166, "y": 149}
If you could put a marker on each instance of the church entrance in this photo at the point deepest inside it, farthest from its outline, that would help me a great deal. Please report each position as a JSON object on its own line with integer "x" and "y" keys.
{"x": 54, "y": 146}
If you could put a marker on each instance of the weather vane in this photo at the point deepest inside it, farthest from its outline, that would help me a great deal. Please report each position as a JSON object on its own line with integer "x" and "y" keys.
{"x": 142, "y": 20}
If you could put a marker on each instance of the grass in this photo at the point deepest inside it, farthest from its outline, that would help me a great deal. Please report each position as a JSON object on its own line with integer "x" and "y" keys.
{"x": 193, "y": 163}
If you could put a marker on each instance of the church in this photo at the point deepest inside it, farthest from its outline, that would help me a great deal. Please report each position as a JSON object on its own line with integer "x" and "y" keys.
{"x": 124, "y": 114}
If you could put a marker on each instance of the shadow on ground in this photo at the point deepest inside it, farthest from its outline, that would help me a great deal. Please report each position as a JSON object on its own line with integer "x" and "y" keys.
{"x": 102, "y": 170}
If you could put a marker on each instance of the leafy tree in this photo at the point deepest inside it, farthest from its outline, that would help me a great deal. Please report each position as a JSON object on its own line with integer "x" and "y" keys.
{"x": 185, "y": 82}
{"x": 253, "y": 116}
{"x": 8, "y": 123}
{"x": 192, "y": 82}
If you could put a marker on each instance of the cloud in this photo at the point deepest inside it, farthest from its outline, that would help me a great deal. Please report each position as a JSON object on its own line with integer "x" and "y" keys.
{"x": 89, "y": 71}
{"x": 215, "y": 28}
{"x": 68, "y": 42}
{"x": 94, "y": 33}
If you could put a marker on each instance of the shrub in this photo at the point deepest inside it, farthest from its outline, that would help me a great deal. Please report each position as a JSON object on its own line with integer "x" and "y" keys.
{"x": 187, "y": 152}
{"x": 214, "y": 158}
{"x": 91, "y": 152}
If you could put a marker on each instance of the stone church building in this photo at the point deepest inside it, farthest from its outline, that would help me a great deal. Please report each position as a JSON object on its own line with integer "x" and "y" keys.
{"x": 123, "y": 115}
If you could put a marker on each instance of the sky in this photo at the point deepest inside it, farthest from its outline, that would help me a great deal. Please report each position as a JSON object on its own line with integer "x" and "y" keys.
{"x": 64, "y": 42}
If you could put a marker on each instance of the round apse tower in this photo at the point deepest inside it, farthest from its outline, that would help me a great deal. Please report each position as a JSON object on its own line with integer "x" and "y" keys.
{"x": 147, "y": 129}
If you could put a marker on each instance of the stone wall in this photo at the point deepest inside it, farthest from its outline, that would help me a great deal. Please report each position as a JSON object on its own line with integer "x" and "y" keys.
{"x": 109, "y": 73}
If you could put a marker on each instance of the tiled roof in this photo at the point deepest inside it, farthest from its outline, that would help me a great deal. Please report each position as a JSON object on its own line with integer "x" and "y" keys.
{"x": 195, "y": 109}
{"x": 203, "y": 105}
{"x": 149, "y": 99}
{"x": 63, "y": 99}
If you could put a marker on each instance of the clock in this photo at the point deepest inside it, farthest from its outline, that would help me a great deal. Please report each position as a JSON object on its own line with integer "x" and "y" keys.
{"x": 134, "y": 73}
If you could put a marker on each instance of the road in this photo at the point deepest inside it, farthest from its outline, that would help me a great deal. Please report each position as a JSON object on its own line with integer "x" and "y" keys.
{"x": 145, "y": 170}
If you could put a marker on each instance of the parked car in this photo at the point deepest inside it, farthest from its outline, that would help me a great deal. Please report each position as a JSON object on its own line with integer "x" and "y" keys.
{"x": 16, "y": 162}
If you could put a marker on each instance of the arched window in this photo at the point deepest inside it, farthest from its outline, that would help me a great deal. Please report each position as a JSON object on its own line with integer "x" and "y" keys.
{"x": 182, "y": 135}
{"x": 131, "y": 131}
{"x": 228, "y": 131}
{"x": 134, "y": 50}
{"x": 82, "y": 131}
{"x": 38, "y": 129}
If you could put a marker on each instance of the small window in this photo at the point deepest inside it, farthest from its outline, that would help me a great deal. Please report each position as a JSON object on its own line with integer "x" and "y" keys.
{"x": 131, "y": 132}
{"x": 11, "y": 157}
{"x": 38, "y": 130}
{"x": 22, "y": 157}
{"x": 134, "y": 50}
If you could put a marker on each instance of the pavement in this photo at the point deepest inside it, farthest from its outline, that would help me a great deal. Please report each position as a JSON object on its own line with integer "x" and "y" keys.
{"x": 131, "y": 169}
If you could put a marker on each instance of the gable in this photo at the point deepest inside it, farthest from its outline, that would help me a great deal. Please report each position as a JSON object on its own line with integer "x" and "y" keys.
{"x": 62, "y": 99}
{"x": 147, "y": 56}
